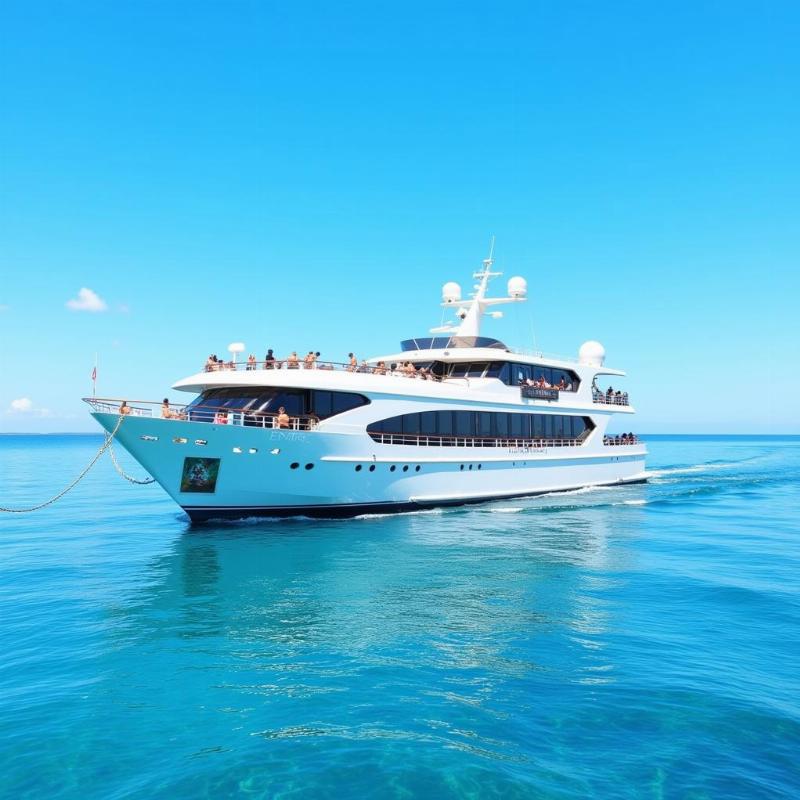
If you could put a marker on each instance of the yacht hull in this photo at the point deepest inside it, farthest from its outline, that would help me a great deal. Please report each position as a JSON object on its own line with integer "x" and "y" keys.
{"x": 231, "y": 472}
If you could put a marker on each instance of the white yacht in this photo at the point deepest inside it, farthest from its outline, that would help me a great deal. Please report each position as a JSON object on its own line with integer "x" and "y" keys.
{"x": 453, "y": 418}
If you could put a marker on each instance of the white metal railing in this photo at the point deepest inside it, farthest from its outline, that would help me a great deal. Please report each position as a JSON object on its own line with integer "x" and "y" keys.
{"x": 610, "y": 399}
{"x": 617, "y": 441}
{"x": 213, "y": 415}
{"x": 470, "y": 441}
{"x": 302, "y": 364}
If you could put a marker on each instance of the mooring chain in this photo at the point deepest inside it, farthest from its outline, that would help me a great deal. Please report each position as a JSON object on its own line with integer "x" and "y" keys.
{"x": 105, "y": 446}
{"x": 122, "y": 472}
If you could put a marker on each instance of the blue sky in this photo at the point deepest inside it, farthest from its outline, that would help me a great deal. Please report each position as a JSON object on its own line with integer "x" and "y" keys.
{"x": 307, "y": 176}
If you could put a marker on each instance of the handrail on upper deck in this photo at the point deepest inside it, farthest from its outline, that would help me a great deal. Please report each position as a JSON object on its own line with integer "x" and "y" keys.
{"x": 206, "y": 414}
{"x": 610, "y": 399}
{"x": 300, "y": 364}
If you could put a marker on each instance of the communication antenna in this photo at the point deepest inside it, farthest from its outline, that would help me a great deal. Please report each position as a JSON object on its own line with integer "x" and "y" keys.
{"x": 489, "y": 261}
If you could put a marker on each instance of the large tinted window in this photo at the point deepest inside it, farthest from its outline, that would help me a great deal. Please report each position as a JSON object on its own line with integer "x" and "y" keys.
{"x": 427, "y": 423}
{"x": 459, "y": 370}
{"x": 521, "y": 373}
{"x": 463, "y": 423}
{"x": 256, "y": 402}
{"x": 345, "y": 401}
{"x": 488, "y": 425}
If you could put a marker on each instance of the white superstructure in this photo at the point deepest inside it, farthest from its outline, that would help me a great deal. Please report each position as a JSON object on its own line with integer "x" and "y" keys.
{"x": 469, "y": 420}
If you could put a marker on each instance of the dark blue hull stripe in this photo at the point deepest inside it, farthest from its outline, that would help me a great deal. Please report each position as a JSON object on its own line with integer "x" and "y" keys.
{"x": 344, "y": 510}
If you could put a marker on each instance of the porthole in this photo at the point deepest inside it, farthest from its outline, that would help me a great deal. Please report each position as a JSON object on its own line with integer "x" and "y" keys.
{"x": 254, "y": 450}
{"x": 480, "y": 465}
{"x": 148, "y": 438}
{"x": 358, "y": 467}
{"x": 372, "y": 468}
{"x": 470, "y": 466}
{"x": 417, "y": 468}
{"x": 294, "y": 465}
{"x": 309, "y": 466}
{"x": 405, "y": 467}
{"x": 237, "y": 449}
{"x": 179, "y": 440}
{"x": 461, "y": 467}
{"x": 201, "y": 442}
{"x": 392, "y": 468}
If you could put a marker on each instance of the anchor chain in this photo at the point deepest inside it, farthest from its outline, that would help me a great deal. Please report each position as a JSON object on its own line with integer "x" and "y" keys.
{"x": 107, "y": 445}
{"x": 122, "y": 472}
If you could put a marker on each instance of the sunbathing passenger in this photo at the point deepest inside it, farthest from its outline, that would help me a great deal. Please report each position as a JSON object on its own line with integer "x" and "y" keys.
{"x": 293, "y": 362}
{"x": 124, "y": 408}
{"x": 352, "y": 362}
{"x": 282, "y": 420}
{"x": 269, "y": 360}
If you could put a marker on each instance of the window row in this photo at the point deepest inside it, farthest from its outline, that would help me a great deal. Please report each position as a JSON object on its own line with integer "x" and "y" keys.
{"x": 493, "y": 424}
{"x": 258, "y": 403}
{"x": 512, "y": 374}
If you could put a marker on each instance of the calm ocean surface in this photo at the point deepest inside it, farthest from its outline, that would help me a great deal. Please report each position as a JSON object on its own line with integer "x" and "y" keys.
{"x": 613, "y": 643}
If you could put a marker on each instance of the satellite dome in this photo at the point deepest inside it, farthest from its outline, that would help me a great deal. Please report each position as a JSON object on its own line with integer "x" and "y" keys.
{"x": 592, "y": 354}
{"x": 451, "y": 292}
{"x": 517, "y": 287}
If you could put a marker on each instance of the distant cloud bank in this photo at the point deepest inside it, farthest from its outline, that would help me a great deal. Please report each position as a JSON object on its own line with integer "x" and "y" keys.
{"x": 87, "y": 300}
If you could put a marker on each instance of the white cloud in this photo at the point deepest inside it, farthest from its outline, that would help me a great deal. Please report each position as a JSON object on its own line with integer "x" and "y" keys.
{"x": 24, "y": 405}
{"x": 21, "y": 406}
{"x": 87, "y": 300}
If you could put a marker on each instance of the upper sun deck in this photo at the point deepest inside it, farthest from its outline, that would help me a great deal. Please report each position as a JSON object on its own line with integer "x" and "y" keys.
{"x": 477, "y": 380}
{"x": 457, "y": 363}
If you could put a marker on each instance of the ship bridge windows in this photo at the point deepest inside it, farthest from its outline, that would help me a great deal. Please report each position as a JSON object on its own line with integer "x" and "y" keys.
{"x": 515, "y": 374}
{"x": 550, "y": 377}
{"x": 480, "y": 369}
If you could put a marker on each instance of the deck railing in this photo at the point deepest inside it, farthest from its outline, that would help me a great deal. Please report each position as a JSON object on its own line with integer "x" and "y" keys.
{"x": 610, "y": 399}
{"x": 617, "y": 441}
{"x": 301, "y": 364}
{"x": 214, "y": 415}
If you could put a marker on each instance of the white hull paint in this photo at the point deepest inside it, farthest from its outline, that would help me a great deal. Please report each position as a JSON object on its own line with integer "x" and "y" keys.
{"x": 262, "y": 483}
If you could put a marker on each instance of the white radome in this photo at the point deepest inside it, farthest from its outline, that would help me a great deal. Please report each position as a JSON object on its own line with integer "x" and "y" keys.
{"x": 517, "y": 287}
{"x": 451, "y": 292}
{"x": 592, "y": 354}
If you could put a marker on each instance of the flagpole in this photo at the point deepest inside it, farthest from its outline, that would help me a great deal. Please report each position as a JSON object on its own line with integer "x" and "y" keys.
{"x": 94, "y": 376}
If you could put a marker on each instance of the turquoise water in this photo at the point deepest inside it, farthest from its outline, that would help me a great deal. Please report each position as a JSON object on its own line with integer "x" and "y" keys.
{"x": 637, "y": 642}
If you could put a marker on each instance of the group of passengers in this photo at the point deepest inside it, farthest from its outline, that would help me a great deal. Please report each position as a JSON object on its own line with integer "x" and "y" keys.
{"x": 214, "y": 364}
{"x": 311, "y": 361}
{"x": 542, "y": 383}
{"x": 617, "y": 397}
{"x": 625, "y": 438}
{"x": 166, "y": 412}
